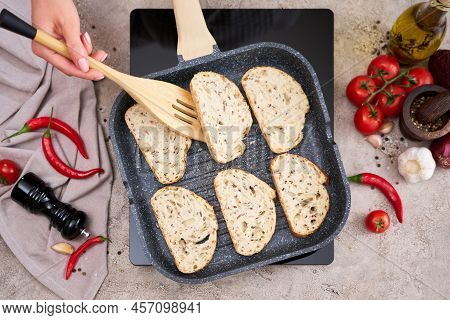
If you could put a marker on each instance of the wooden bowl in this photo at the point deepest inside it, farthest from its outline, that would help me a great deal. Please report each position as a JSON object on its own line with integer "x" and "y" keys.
{"x": 408, "y": 128}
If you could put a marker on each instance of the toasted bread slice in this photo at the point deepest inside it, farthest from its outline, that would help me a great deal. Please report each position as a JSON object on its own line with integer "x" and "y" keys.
{"x": 248, "y": 208}
{"x": 189, "y": 226}
{"x": 164, "y": 150}
{"x": 223, "y": 113}
{"x": 301, "y": 188}
{"x": 279, "y": 105}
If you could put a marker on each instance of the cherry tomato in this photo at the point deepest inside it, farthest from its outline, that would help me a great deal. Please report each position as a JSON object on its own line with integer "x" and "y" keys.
{"x": 378, "y": 221}
{"x": 359, "y": 89}
{"x": 390, "y": 101}
{"x": 386, "y": 66}
{"x": 9, "y": 172}
{"x": 368, "y": 119}
{"x": 416, "y": 77}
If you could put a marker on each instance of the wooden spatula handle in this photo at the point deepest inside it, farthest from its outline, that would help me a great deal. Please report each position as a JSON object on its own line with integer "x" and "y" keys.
{"x": 194, "y": 38}
{"x": 11, "y": 22}
{"x": 50, "y": 42}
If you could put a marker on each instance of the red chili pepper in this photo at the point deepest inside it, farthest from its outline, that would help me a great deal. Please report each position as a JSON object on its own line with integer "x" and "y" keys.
{"x": 384, "y": 186}
{"x": 57, "y": 163}
{"x": 75, "y": 255}
{"x": 58, "y": 125}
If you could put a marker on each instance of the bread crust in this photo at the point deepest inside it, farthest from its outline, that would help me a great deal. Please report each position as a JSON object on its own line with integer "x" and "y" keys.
{"x": 282, "y": 200}
{"x": 258, "y": 116}
{"x": 161, "y": 178}
{"x": 166, "y": 233}
{"x": 271, "y": 194}
{"x": 201, "y": 119}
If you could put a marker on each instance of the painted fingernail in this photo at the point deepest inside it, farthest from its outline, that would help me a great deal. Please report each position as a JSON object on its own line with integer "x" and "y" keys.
{"x": 104, "y": 57}
{"x": 100, "y": 78}
{"x": 83, "y": 65}
{"x": 87, "y": 38}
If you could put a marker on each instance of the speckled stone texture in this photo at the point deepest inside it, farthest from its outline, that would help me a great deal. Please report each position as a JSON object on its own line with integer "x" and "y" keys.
{"x": 409, "y": 261}
{"x": 317, "y": 145}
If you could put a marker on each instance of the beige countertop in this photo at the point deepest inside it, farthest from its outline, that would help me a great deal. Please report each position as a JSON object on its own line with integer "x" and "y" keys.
{"x": 409, "y": 261}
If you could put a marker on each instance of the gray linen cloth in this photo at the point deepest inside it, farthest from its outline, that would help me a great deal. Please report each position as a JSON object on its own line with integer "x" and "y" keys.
{"x": 30, "y": 87}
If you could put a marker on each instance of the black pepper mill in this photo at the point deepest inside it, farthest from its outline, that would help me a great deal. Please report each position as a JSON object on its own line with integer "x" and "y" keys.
{"x": 34, "y": 195}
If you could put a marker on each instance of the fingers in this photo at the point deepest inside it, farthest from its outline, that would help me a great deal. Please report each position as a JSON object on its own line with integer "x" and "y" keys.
{"x": 63, "y": 22}
{"x": 87, "y": 42}
{"x": 99, "y": 55}
{"x": 66, "y": 66}
{"x": 77, "y": 51}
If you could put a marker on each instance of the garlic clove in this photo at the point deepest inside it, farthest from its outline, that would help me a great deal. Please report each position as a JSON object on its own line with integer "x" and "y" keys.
{"x": 386, "y": 127}
{"x": 63, "y": 248}
{"x": 375, "y": 140}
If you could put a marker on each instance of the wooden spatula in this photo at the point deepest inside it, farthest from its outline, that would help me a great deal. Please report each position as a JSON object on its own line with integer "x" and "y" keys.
{"x": 169, "y": 103}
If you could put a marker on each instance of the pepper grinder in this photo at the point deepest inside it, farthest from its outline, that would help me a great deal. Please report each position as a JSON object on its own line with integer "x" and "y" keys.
{"x": 37, "y": 197}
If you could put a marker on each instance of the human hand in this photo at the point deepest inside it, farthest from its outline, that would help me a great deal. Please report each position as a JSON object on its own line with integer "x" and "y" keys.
{"x": 60, "y": 19}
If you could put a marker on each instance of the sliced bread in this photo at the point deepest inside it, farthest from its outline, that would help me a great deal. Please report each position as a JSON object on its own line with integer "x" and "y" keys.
{"x": 189, "y": 226}
{"x": 223, "y": 113}
{"x": 248, "y": 208}
{"x": 301, "y": 188}
{"x": 164, "y": 150}
{"x": 279, "y": 105}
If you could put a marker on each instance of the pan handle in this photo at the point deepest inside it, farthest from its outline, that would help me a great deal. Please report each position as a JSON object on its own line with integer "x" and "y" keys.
{"x": 194, "y": 38}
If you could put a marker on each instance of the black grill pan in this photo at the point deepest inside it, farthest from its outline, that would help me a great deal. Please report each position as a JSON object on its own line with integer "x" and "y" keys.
{"x": 317, "y": 145}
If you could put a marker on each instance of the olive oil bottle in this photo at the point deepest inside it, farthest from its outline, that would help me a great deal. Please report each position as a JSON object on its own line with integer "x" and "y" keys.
{"x": 419, "y": 31}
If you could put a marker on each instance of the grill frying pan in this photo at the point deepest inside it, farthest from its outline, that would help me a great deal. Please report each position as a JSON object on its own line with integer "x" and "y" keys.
{"x": 198, "y": 52}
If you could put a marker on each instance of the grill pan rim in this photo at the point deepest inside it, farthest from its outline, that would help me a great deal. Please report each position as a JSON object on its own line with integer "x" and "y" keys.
{"x": 216, "y": 55}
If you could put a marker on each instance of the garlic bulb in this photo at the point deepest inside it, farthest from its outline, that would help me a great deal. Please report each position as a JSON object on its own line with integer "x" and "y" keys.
{"x": 416, "y": 164}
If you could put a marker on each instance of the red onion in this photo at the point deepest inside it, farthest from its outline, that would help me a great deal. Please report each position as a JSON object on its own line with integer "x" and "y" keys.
{"x": 440, "y": 148}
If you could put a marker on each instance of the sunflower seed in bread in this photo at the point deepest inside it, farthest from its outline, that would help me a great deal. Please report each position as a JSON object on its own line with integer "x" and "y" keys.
{"x": 223, "y": 113}
{"x": 164, "y": 150}
{"x": 248, "y": 208}
{"x": 189, "y": 226}
{"x": 301, "y": 188}
{"x": 279, "y": 105}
